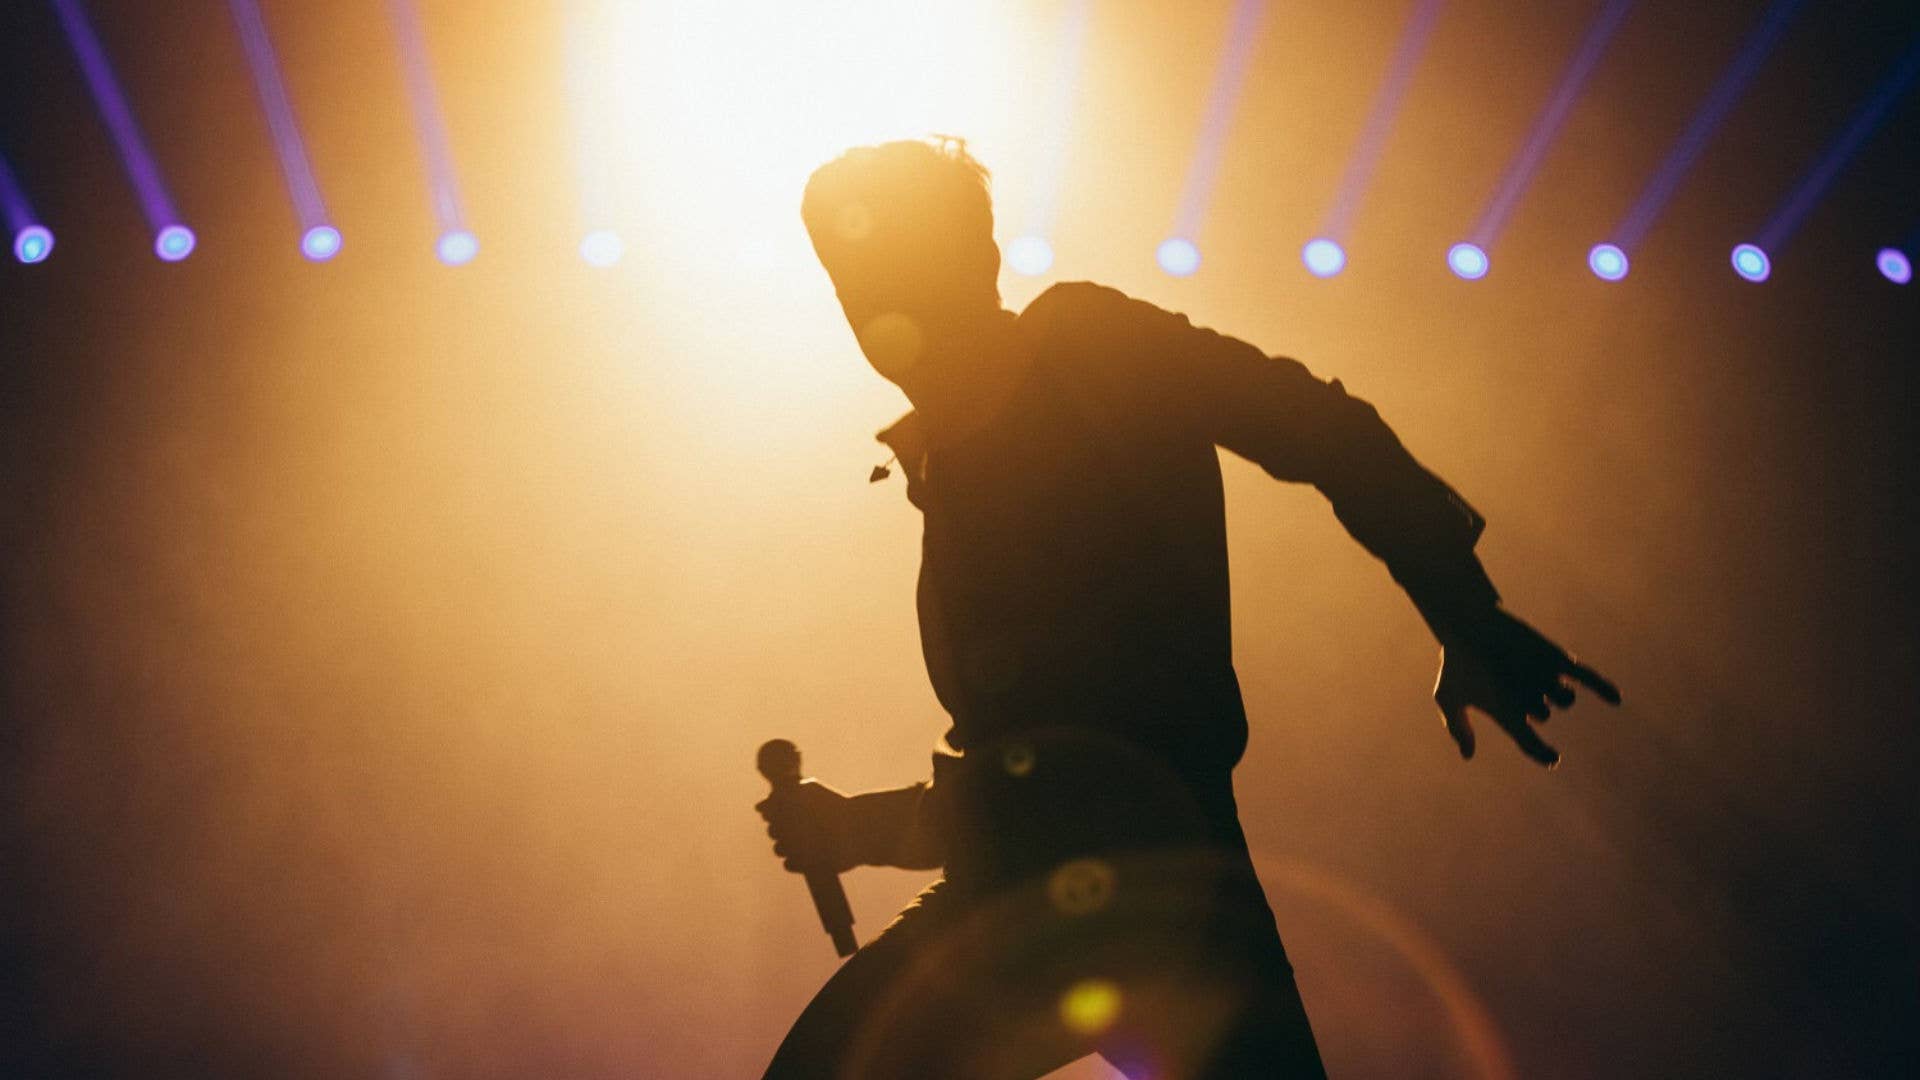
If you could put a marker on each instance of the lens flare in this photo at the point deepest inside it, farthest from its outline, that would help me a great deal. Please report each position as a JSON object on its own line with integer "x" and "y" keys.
{"x": 457, "y": 248}
{"x": 602, "y": 248}
{"x": 173, "y": 243}
{"x": 320, "y": 243}
{"x": 1030, "y": 255}
{"x": 1608, "y": 262}
{"x": 1323, "y": 257}
{"x": 33, "y": 244}
{"x": 1090, "y": 1006}
{"x": 1894, "y": 265}
{"x": 892, "y": 342}
{"x": 1178, "y": 256}
{"x": 1468, "y": 261}
{"x": 1751, "y": 263}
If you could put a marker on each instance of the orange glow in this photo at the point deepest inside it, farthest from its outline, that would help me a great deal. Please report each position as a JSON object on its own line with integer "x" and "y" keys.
{"x": 391, "y": 644}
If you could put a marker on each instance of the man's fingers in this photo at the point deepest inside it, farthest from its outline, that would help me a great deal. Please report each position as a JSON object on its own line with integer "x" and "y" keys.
{"x": 1454, "y": 715}
{"x": 1530, "y": 743}
{"x": 1561, "y": 695}
{"x": 1594, "y": 681}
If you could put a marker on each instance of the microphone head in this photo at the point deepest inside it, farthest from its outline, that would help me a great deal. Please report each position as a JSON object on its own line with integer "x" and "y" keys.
{"x": 778, "y": 761}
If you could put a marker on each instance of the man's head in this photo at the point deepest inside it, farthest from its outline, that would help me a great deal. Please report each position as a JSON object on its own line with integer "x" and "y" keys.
{"x": 905, "y": 230}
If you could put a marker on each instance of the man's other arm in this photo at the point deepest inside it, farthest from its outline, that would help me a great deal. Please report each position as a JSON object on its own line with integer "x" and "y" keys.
{"x": 1277, "y": 414}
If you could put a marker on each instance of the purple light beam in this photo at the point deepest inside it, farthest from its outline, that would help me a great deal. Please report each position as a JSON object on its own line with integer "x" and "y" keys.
{"x": 1386, "y": 104}
{"x": 1720, "y": 100}
{"x": 431, "y": 129}
{"x": 1242, "y": 34}
{"x": 301, "y": 186}
{"x": 13, "y": 203}
{"x": 112, "y": 103}
{"x": 1548, "y": 123}
{"x": 1810, "y": 188}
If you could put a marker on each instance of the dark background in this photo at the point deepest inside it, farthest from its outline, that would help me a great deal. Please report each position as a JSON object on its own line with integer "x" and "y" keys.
{"x": 385, "y": 644}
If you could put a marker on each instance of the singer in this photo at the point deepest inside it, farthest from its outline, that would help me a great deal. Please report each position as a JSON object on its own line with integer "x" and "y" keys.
{"x": 1097, "y": 894}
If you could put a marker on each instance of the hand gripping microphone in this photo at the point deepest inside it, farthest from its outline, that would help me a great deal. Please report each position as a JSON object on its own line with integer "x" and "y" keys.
{"x": 779, "y": 761}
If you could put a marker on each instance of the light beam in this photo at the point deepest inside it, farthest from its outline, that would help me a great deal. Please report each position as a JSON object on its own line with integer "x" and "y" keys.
{"x": 32, "y": 241}
{"x": 172, "y": 241}
{"x": 1814, "y": 184}
{"x": 319, "y": 240}
{"x": 456, "y": 246}
{"x": 1720, "y": 100}
{"x": 1243, "y": 33}
{"x": 1031, "y": 253}
{"x": 1325, "y": 255}
{"x": 593, "y": 64}
{"x": 1520, "y": 171}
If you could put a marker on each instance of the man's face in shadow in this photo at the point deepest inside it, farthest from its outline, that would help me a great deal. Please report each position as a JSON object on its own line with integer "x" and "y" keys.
{"x": 905, "y": 297}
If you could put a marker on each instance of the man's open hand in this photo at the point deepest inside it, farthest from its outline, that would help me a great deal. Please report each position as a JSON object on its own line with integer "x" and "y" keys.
{"x": 1512, "y": 673}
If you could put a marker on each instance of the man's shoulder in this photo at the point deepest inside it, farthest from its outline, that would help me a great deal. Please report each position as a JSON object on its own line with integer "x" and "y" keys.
{"x": 1076, "y": 301}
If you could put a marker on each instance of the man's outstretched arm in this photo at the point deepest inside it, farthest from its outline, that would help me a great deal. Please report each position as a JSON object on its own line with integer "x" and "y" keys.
{"x": 1274, "y": 412}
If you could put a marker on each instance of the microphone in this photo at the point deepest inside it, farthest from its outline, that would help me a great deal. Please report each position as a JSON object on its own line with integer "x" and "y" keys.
{"x": 779, "y": 761}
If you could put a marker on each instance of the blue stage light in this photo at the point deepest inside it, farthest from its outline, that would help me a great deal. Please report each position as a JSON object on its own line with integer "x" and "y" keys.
{"x": 173, "y": 243}
{"x": 33, "y": 244}
{"x": 1468, "y": 261}
{"x": 320, "y": 243}
{"x": 1178, "y": 256}
{"x": 1751, "y": 263}
{"x": 1323, "y": 257}
{"x": 1894, "y": 265}
{"x": 457, "y": 248}
{"x": 602, "y": 248}
{"x": 1030, "y": 255}
{"x": 1608, "y": 262}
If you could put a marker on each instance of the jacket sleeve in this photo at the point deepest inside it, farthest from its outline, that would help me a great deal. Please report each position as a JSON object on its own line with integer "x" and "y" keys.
{"x": 1277, "y": 414}
{"x": 898, "y": 827}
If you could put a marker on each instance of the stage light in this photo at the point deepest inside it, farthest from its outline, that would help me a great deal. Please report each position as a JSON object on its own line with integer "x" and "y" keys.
{"x": 1468, "y": 261}
{"x": 602, "y": 248}
{"x": 1178, "y": 257}
{"x": 1223, "y": 100}
{"x": 1893, "y": 263}
{"x": 1373, "y": 136}
{"x": 1323, "y": 257}
{"x": 1521, "y": 169}
{"x": 34, "y": 243}
{"x": 457, "y": 248}
{"x": 1608, "y": 262}
{"x": 1720, "y": 101}
{"x": 1030, "y": 255}
{"x": 31, "y": 240}
{"x": 173, "y": 243}
{"x": 456, "y": 245}
{"x": 1807, "y": 193}
{"x": 320, "y": 243}
{"x": 1751, "y": 263}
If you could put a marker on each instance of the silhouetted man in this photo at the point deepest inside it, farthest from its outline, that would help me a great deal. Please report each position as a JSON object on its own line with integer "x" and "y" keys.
{"x": 1097, "y": 891}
